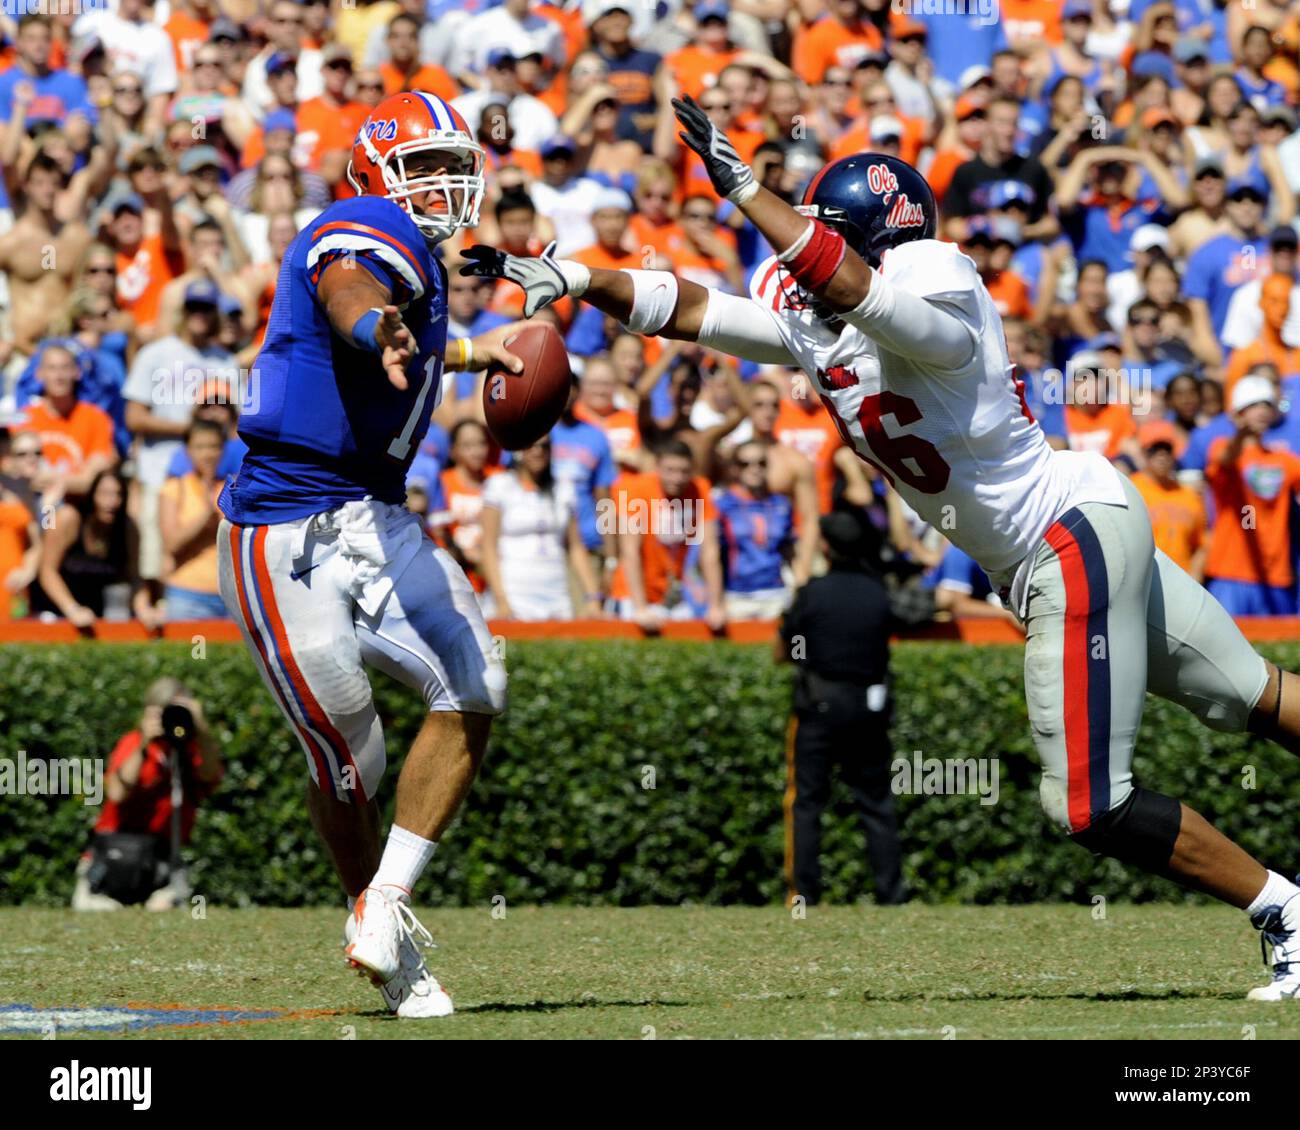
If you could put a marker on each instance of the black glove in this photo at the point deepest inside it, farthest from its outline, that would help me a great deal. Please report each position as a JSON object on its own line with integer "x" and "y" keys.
{"x": 543, "y": 277}
{"x": 730, "y": 175}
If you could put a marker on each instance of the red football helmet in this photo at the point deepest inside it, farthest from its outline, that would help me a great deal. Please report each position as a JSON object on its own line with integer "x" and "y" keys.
{"x": 403, "y": 125}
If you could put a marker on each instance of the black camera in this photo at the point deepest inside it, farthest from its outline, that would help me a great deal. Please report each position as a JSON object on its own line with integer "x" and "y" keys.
{"x": 178, "y": 724}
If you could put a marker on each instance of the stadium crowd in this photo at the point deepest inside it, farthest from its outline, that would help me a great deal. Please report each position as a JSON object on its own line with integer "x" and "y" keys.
{"x": 1123, "y": 175}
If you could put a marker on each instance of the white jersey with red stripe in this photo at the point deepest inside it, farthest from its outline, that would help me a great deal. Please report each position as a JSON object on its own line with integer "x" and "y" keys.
{"x": 959, "y": 445}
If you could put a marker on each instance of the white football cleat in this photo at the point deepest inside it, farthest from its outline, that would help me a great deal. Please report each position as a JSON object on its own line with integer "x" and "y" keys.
{"x": 376, "y": 945}
{"x": 413, "y": 992}
{"x": 1279, "y": 928}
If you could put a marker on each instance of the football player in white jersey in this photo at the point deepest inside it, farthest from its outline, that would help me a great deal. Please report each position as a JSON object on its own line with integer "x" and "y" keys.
{"x": 900, "y": 340}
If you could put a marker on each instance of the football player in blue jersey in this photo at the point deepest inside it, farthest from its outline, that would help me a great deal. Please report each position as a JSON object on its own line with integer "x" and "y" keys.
{"x": 322, "y": 565}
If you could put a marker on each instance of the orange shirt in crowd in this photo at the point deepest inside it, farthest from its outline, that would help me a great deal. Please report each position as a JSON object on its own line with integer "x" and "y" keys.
{"x": 68, "y": 441}
{"x": 1257, "y": 550}
{"x": 527, "y": 159}
{"x": 668, "y": 238}
{"x": 1177, "y": 517}
{"x": 858, "y": 140}
{"x": 431, "y": 79}
{"x": 828, "y": 43}
{"x": 942, "y": 168}
{"x": 463, "y": 523}
{"x": 142, "y": 276}
{"x": 594, "y": 255}
{"x": 1010, "y": 294}
{"x": 1258, "y": 352}
{"x": 695, "y": 69}
{"x": 640, "y": 499}
{"x": 1103, "y": 433}
{"x": 187, "y": 34}
{"x": 572, "y": 24}
{"x": 15, "y": 523}
{"x": 197, "y": 570}
{"x": 814, "y": 436}
{"x": 1031, "y": 22}
{"x": 620, "y": 428}
{"x": 323, "y": 127}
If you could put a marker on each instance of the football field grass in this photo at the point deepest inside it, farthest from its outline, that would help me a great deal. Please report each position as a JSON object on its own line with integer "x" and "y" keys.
{"x": 916, "y": 972}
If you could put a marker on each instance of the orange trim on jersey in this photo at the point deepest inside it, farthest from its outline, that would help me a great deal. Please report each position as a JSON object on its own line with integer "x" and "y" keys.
{"x": 365, "y": 229}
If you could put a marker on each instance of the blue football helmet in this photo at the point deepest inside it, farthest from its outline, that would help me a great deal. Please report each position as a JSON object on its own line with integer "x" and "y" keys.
{"x": 874, "y": 201}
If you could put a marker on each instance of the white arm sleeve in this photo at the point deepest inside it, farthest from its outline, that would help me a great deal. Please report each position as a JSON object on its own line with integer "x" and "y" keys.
{"x": 743, "y": 328}
{"x": 914, "y": 327}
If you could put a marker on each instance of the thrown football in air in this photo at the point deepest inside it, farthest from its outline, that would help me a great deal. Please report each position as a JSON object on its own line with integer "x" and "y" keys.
{"x": 520, "y": 408}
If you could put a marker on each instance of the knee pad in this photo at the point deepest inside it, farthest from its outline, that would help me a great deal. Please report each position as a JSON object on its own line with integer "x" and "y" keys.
{"x": 1141, "y": 830}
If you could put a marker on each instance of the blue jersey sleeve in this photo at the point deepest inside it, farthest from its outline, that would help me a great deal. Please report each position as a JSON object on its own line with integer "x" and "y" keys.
{"x": 1201, "y": 267}
{"x": 606, "y": 470}
{"x": 379, "y": 236}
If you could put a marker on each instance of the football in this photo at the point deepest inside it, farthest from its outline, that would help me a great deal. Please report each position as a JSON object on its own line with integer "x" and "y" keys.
{"x": 522, "y": 407}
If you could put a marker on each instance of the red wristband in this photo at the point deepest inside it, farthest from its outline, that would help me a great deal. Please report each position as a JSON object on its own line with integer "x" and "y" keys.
{"x": 820, "y": 258}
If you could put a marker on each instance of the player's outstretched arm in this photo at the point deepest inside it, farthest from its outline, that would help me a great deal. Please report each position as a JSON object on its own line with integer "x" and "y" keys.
{"x": 822, "y": 262}
{"x": 652, "y": 303}
{"x": 360, "y": 310}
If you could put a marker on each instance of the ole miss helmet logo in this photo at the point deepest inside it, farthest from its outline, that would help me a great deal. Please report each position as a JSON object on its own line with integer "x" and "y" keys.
{"x": 902, "y": 212}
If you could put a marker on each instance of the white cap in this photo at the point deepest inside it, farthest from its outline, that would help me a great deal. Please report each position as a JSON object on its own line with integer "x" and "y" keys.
{"x": 1148, "y": 236}
{"x": 611, "y": 198}
{"x": 592, "y": 10}
{"x": 1087, "y": 359}
{"x": 1253, "y": 390}
{"x": 886, "y": 126}
{"x": 971, "y": 75}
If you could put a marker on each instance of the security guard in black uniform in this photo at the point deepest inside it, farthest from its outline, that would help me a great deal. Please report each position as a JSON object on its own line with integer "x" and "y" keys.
{"x": 837, "y": 631}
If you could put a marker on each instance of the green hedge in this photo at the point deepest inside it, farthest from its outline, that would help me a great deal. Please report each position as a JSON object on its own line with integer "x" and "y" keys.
{"x": 560, "y": 813}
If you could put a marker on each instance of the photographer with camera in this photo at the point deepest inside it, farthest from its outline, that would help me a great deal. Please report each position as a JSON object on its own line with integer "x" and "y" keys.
{"x": 157, "y": 775}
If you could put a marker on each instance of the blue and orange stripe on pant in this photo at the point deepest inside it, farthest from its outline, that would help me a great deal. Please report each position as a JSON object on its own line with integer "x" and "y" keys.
{"x": 327, "y": 747}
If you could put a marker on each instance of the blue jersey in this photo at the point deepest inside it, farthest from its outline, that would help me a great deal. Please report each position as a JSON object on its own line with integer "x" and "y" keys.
{"x": 325, "y": 425}
{"x": 580, "y": 457}
{"x": 1218, "y": 267}
{"x": 753, "y": 531}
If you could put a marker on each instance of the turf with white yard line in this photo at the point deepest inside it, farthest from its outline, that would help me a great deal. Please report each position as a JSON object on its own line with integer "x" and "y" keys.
{"x": 916, "y": 972}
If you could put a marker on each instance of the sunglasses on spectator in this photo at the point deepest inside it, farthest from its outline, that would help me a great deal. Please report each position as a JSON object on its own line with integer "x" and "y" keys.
{"x": 370, "y": 86}
{"x": 607, "y": 104}
{"x": 107, "y": 269}
{"x": 128, "y": 90}
{"x": 1246, "y": 194}
{"x": 343, "y": 64}
{"x": 745, "y": 464}
{"x": 879, "y": 102}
